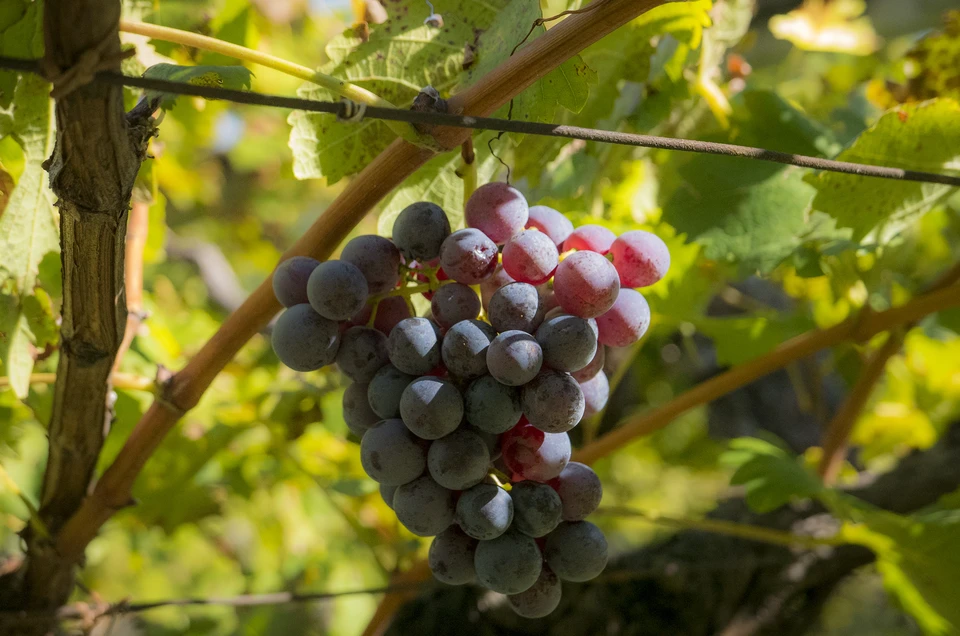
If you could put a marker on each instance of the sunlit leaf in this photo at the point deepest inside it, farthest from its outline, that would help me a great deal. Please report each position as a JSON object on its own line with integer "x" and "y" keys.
{"x": 232, "y": 77}
{"x": 828, "y": 25}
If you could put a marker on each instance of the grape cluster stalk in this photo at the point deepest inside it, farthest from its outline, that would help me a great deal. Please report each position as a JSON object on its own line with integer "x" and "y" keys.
{"x": 462, "y": 415}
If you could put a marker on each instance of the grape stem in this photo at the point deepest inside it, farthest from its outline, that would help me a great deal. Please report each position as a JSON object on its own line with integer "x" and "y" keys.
{"x": 468, "y": 170}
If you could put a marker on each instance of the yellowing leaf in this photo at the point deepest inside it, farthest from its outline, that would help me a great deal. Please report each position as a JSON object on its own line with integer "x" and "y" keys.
{"x": 825, "y": 25}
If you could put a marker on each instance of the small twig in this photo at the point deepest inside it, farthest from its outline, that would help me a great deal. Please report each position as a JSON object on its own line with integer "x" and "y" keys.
{"x": 468, "y": 169}
{"x": 138, "y": 224}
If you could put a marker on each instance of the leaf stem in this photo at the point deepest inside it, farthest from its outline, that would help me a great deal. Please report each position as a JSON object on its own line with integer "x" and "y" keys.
{"x": 340, "y": 87}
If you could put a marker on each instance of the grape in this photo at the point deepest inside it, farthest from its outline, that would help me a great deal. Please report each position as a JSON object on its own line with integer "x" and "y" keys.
{"x": 550, "y": 222}
{"x": 497, "y": 210}
{"x": 424, "y": 507}
{"x": 492, "y": 440}
{"x": 569, "y": 343}
{"x": 530, "y": 257}
{"x": 468, "y": 256}
{"x": 391, "y": 454}
{"x": 580, "y": 491}
{"x": 576, "y": 551}
{"x": 386, "y": 389}
{"x": 640, "y": 257}
{"x": 592, "y": 238}
{"x": 420, "y": 229}
{"x": 386, "y": 493}
{"x": 509, "y": 564}
{"x": 454, "y": 302}
{"x": 459, "y": 460}
{"x": 356, "y": 409}
{"x": 586, "y": 284}
{"x": 625, "y": 322}
{"x": 548, "y": 300}
{"x": 451, "y": 557}
{"x": 377, "y": 258}
{"x": 290, "y": 280}
{"x": 596, "y": 392}
{"x": 541, "y": 599}
{"x": 536, "y": 508}
{"x": 362, "y": 352}
{"x": 491, "y": 406}
{"x": 337, "y": 290}
{"x": 464, "y": 348}
{"x": 489, "y": 286}
{"x": 414, "y": 346}
{"x": 553, "y": 402}
{"x": 515, "y": 307}
{"x": 304, "y": 340}
{"x": 485, "y": 511}
{"x": 431, "y": 407}
{"x": 594, "y": 367}
{"x": 390, "y": 311}
{"x": 532, "y": 454}
{"x": 514, "y": 358}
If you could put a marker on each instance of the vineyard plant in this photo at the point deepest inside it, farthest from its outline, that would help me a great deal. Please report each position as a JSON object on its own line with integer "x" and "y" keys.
{"x": 561, "y": 317}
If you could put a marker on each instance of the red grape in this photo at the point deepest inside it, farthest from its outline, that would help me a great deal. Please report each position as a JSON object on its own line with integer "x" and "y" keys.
{"x": 586, "y": 284}
{"x": 625, "y": 322}
{"x": 592, "y": 238}
{"x": 468, "y": 256}
{"x": 532, "y": 454}
{"x": 530, "y": 257}
{"x": 550, "y": 222}
{"x": 641, "y": 258}
{"x": 497, "y": 210}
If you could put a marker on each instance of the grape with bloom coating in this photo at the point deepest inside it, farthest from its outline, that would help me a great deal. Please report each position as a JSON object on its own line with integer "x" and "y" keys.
{"x": 337, "y": 290}
{"x": 390, "y": 311}
{"x": 591, "y": 238}
{"x": 550, "y": 222}
{"x": 387, "y": 493}
{"x": 385, "y": 390}
{"x": 377, "y": 258}
{"x": 498, "y": 210}
{"x": 468, "y": 256}
{"x": 424, "y": 507}
{"x": 356, "y": 409}
{"x": 515, "y": 307}
{"x": 491, "y": 406}
{"x": 420, "y": 229}
{"x": 485, "y": 511}
{"x": 532, "y": 454}
{"x": 454, "y": 302}
{"x": 569, "y": 343}
{"x": 464, "y": 348}
{"x": 391, "y": 454}
{"x": 431, "y": 407}
{"x": 530, "y": 257}
{"x": 586, "y": 284}
{"x": 536, "y": 508}
{"x": 625, "y": 322}
{"x": 596, "y": 392}
{"x": 290, "y": 280}
{"x": 541, "y": 599}
{"x": 553, "y": 401}
{"x": 641, "y": 258}
{"x": 594, "y": 367}
{"x": 489, "y": 286}
{"x": 576, "y": 551}
{"x": 459, "y": 460}
{"x": 580, "y": 491}
{"x": 509, "y": 564}
{"x": 363, "y": 351}
{"x": 304, "y": 340}
{"x": 514, "y": 358}
{"x": 451, "y": 557}
{"x": 414, "y": 346}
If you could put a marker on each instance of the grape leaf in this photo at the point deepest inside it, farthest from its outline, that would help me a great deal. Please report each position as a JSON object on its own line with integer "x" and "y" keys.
{"x": 740, "y": 339}
{"x": 769, "y": 474}
{"x": 233, "y": 77}
{"x": 740, "y": 210}
{"x": 21, "y": 36}
{"x": 921, "y": 136}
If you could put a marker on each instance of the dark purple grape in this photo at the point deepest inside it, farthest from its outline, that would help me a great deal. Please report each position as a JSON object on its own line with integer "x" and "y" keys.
{"x": 290, "y": 280}
{"x": 509, "y": 564}
{"x": 424, "y": 507}
{"x": 385, "y": 390}
{"x": 363, "y": 351}
{"x": 337, "y": 290}
{"x": 536, "y": 508}
{"x": 454, "y": 302}
{"x": 576, "y": 551}
{"x": 553, "y": 402}
{"x": 569, "y": 343}
{"x": 419, "y": 231}
{"x": 514, "y": 358}
{"x": 451, "y": 557}
{"x": 391, "y": 454}
{"x": 541, "y": 599}
{"x": 356, "y": 409}
{"x": 594, "y": 367}
{"x": 468, "y": 256}
{"x": 580, "y": 491}
{"x": 515, "y": 307}
{"x": 414, "y": 346}
{"x": 431, "y": 407}
{"x": 459, "y": 460}
{"x": 304, "y": 340}
{"x": 491, "y": 406}
{"x": 464, "y": 349}
{"x": 484, "y": 511}
{"x": 377, "y": 258}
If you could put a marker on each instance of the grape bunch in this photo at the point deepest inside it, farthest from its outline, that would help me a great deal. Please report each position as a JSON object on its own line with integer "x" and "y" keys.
{"x": 462, "y": 415}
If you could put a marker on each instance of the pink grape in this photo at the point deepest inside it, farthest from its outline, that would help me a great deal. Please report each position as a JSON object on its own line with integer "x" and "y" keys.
{"x": 594, "y": 367}
{"x": 625, "y": 322}
{"x": 468, "y": 256}
{"x": 592, "y": 238}
{"x": 641, "y": 258}
{"x": 552, "y": 223}
{"x": 390, "y": 311}
{"x": 596, "y": 392}
{"x": 586, "y": 284}
{"x": 530, "y": 453}
{"x": 497, "y": 210}
{"x": 530, "y": 257}
{"x": 490, "y": 285}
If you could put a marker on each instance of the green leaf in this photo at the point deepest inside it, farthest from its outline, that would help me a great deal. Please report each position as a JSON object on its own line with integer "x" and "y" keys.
{"x": 21, "y": 36}
{"x": 738, "y": 340}
{"x": 233, "y": 77}
{"x": 766, "y": 116}
{"x": 915, "y": 137}
{"x": 769, "y": 473}
{"x": 16, "y": 345}
{"x": 740, "y": 210}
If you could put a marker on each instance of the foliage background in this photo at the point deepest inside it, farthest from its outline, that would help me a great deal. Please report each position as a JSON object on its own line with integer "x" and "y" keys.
{"x": 258, "y": 488}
